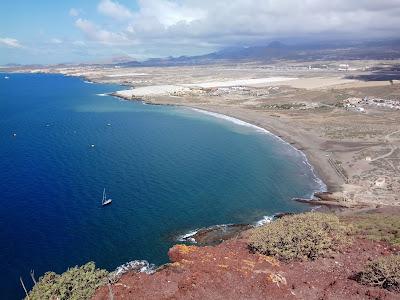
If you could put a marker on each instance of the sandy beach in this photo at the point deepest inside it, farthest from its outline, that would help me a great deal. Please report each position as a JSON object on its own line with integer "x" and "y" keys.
{"x": 306, "y": 113}
{"x": 352, "y": 143}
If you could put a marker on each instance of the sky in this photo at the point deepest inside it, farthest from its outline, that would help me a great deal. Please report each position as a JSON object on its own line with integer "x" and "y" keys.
{"x": 73, "y": 31}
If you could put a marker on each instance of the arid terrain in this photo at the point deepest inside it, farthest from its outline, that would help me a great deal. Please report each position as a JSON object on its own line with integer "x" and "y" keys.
{"x": 344, "y": 115}
{"x": 230, "y": 271}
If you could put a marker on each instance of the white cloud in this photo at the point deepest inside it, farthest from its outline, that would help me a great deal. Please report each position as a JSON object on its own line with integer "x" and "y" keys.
{"x": 114, "y": 10}
{"x": 169, "y": 13}
{"x": 95, "y": 33}
{"x": 163, "y": 27}
{"x": 9, "y": 42}
{"x": 74, "y": 12}
{"x": 225, "y": 22}
{"x": 56, "y": 41}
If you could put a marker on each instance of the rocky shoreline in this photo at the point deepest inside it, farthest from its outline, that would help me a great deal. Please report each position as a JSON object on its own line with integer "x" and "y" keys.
{"x": 329, "y": 200}
{"x": 230, "y": 271}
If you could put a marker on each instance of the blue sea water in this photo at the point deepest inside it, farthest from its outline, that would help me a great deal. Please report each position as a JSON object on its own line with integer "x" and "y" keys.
{"x": 169, "y": 170}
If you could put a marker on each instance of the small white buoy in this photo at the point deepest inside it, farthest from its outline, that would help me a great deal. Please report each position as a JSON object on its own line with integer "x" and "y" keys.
{"x": 6, "y": 77}
{"x": 108, "y": 124}
{"x": 92, "y": 145}
{"x": 14, "y": 134}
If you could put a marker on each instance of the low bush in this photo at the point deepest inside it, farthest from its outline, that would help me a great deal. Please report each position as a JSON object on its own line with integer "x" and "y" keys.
{"x": 384, "y": 273}
{"x": 76, "y": 283}
{"x": 302, "y": 236}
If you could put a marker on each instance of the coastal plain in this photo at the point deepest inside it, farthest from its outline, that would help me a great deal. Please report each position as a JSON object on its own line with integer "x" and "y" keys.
{"x": 344, "y": 115}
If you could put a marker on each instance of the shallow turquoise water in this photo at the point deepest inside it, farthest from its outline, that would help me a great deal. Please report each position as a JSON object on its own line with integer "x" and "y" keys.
{"x": 168, "y": 170}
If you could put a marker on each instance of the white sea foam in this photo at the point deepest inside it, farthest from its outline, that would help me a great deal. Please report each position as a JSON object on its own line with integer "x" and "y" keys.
{"x": 188, "y": 237}
{"x": 102, "y": 95}
{"x": 321, "y": 184}
{"x": 316, "y": 208}
{"x": 264, "y": 220}
{"x": 139, "y": 266}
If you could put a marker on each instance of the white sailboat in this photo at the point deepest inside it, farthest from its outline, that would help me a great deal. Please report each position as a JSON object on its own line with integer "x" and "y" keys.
{"x": 104, "y": 200}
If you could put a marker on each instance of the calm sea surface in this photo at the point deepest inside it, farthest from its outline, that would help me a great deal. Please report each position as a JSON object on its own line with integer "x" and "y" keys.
{"x": 168, "y": 170}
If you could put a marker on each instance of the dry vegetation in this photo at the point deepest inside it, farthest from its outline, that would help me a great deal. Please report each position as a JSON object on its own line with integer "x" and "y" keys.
{"x": 377, "y": 227}
{"x": 383, "y": 273}
{"x": 76, "y": 283}
{"x": 303, "y": 236}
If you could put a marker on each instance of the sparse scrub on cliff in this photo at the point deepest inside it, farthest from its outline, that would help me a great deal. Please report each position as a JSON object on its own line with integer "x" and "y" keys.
{"x": 302, "y": 236}
{"x": 377, "y": 227}
{"x": 384, "y": 273}
{"x": 76, "y": 283}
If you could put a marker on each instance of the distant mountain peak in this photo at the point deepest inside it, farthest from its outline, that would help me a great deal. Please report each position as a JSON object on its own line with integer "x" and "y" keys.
{"x": 276, "y": 44}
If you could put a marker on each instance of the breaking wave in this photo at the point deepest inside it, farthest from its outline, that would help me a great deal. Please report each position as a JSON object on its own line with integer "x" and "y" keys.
{"x": 188, "y": 237}
{"x": 264, "y": 220}
{"x": 138, "y": 266}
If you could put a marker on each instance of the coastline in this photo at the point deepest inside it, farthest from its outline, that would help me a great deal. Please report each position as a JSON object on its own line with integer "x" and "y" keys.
{"x": 313, "y": 158}
{"x": 322, "y": 184}
{"x": 319, "y": 171}
{"x": 327, "y": 181}
{"x": 314, "y": 147}
{"x": 266, "y": 126}
{"x": 322, "y": 171}
{"x": 313, "y": 119}
{"x": 308, "y": 145}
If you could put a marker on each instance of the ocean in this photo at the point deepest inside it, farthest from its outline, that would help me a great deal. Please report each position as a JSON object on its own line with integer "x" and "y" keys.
{"x": 169, "y": 170}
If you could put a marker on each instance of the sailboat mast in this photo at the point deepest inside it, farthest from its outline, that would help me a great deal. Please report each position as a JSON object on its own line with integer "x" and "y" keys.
{"x": 105, "y": 201}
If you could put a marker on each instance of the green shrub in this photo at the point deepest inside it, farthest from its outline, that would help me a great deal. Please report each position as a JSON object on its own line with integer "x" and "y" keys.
{"x": 384, "y": 273}
{"x": 302, "y": 236}
{"x": 76, "y": 283}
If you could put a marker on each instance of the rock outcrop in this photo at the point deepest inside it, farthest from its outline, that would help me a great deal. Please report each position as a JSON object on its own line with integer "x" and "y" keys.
{"x": 230, "y": 271}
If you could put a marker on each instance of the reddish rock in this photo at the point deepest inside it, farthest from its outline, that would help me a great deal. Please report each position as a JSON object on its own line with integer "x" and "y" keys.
{"x": 230, "y": 271}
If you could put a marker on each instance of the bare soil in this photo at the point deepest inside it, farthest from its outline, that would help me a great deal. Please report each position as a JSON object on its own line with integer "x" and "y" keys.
{"x": 231, "y": 271}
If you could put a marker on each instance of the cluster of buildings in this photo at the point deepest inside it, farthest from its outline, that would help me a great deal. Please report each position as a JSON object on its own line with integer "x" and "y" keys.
{"x": 387, "y": 103}
{"x": 359, "y": 104}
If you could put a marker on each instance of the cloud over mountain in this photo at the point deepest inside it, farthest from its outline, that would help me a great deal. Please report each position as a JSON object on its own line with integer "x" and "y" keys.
{"x": 221, "y": 23}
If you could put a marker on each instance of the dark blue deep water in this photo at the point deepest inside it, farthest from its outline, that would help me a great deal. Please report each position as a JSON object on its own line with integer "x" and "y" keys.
{"x": 168, "y": 170}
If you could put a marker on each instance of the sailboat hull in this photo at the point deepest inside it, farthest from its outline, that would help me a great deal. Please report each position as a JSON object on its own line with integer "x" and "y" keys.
{"x": 106, "y": 202}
